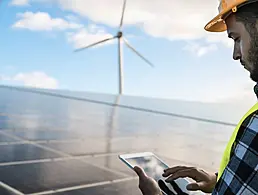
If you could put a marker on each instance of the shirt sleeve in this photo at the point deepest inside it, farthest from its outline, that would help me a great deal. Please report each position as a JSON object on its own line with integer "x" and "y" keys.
{"x": 240, "y": 176}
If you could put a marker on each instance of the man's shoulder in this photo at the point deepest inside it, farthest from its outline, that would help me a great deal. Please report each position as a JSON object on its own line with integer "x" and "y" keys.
{"x": 247, "y": 137}
{"x": 246, "y": 146}
{"x": 241, "y": 173}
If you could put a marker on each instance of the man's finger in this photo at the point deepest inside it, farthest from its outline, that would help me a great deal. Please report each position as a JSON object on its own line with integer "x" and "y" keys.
{"x": 164, "y": 188}
{"x": 191, "y": 173}
{"x": 140, "y": 172}
{"x": 176, "y": 187}
{"x": 195, "y": 186}
{"x": 173, "y": 170}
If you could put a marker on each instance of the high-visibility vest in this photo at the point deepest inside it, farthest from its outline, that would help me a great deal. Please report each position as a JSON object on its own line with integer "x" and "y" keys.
{"x": 226, "y": 155}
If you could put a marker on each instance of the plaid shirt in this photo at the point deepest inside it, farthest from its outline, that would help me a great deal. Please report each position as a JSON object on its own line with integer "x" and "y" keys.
{"x": 241, "y": 174}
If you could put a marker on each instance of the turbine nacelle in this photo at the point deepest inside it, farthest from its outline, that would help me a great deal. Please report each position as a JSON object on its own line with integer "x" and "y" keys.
{"x": 119, "y": 35}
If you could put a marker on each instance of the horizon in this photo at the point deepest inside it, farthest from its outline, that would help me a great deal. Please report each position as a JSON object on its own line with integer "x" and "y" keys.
{"x": 34, "y": 89}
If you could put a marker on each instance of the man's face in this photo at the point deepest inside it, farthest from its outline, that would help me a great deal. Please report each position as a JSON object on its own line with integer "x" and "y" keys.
{"x": 245, "y": 45}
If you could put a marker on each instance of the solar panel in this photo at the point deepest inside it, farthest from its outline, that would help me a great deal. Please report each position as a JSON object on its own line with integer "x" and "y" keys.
{"x": 52, "y": 145}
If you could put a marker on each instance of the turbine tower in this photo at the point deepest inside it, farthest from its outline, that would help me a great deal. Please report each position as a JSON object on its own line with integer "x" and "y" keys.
{"x": 119, "y": 36}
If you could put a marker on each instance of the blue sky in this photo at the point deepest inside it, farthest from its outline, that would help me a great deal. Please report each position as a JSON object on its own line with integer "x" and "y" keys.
{"x": 38, "y": 38}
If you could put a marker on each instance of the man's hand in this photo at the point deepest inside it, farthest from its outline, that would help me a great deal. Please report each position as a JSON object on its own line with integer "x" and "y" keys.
{"x": 147, "y": 185}
{"x": 204, "y": 181}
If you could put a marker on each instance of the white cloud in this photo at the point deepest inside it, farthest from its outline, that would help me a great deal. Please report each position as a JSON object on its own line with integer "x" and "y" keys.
{"x": 33, "y": 79}
{"x": 200, "y": 50}
{"x": 172, "y": 19}
{"x": 19, "y": 2}
{"x": 211, "y": 44}
{"x": 78, "y": 36}
{"x": 220, "y": 38}
{"x": 72, "y": 18}
{"x": 42, "y": 21}
{"x": 87, "y": 36}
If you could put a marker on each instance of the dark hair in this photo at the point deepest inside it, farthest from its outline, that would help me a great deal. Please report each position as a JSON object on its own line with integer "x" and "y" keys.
{"x": 248, "y": 15}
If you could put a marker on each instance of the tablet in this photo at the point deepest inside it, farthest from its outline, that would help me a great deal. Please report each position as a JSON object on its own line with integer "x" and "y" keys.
{"x": 154, "y": 168}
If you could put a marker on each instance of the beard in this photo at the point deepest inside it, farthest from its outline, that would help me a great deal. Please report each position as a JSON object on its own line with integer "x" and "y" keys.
{"x": 252, "y": 59}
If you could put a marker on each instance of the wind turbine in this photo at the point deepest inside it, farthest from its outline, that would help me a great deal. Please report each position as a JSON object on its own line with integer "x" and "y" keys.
{"x": 120, "y": 39}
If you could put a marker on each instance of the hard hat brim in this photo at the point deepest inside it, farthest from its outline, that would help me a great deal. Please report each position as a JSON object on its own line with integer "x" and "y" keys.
{"x": 217, "y": 24}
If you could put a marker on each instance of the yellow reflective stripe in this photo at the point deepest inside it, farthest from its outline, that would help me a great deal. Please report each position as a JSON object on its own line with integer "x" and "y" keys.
{"x": 226, "y": 155}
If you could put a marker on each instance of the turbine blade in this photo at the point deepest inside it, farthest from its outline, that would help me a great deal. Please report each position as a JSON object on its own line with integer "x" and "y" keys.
{"x": 134, "y": 50}
{"x": 93, "y": 44}
{"x": 123, "y": 13}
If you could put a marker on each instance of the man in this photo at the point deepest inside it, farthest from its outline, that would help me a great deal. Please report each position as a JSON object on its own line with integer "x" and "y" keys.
{"x": 239, "y": 165}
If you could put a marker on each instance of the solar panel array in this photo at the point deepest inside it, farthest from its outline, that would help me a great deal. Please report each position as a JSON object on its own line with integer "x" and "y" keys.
{"x": 51, "y": 145}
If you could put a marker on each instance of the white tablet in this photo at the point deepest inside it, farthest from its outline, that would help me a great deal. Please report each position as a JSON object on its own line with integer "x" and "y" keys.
{"x": 154, "y": 168}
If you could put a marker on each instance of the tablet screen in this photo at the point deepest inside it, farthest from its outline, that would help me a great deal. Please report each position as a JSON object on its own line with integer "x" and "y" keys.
{"x": 152, "y": 166}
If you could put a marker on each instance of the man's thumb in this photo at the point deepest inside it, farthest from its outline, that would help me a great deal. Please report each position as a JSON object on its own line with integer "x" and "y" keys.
{"x": 139, "y": 171}
{"x": 193, "y": 186}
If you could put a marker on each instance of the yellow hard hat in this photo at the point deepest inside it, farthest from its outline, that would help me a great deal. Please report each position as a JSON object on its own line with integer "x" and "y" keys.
{"x": 217, "y": 24}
